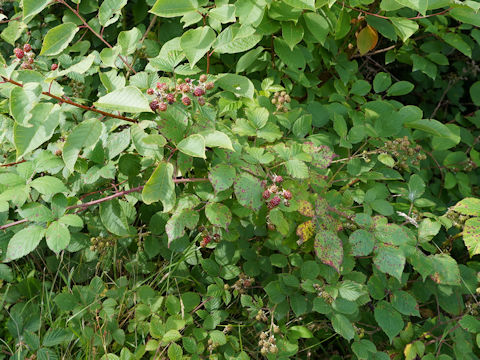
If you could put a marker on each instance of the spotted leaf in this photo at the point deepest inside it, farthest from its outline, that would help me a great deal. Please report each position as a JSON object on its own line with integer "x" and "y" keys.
{"x": 329, "y": 248}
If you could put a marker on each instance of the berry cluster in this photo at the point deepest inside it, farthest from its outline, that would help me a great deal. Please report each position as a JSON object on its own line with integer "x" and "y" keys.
{"x": 323, "y": 294}
{"x": 101, "y": 244}
{"x": 473, "y": 308}
{"x": 277, "y": 192}
{"x": 25, "y": 55}
{"x": 165, "y": 95}
{"x": 243, "y": 283}
{"x": 280, "y": 99}
{"x": 457, "y": 219}
{"x": 405, "y": 152}
{"x": 268, "y": 344}
{"x": 77, "y": 88}
{"x": 207, "y": 237}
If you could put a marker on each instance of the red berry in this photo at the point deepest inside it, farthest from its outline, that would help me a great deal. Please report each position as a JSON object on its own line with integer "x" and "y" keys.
{"x": 203, "y": 78}
{"x": 275, "y": 201}
{"x": 27, "y": 48}
{"x": 201, "y": 101}
{"x": 266, "y": 194}
{"x": 186, "y": 101}
{"x": 150, "y": 91}
{"x": 154, "y": 105}
{"x": 209, "y": 85}
{"x": 188, "y": 80}
{"x": 277, "y": 179}
{"x": 161, "y": 86}
{"x": 198, "y": 91}
{"x": 170, "y": 98}
{"x": 162, "y": 107}
{"x": 54, "y": 67}
{"x": 19, "y": 53}
{"x": 287, "y": 194}
{"x": 185, "y": 88}
{"x": 26, "y": 66}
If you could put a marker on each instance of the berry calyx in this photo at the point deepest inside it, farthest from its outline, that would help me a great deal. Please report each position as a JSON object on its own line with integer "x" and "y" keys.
{"x": 27, "y": 48}
{"x": 186, "y": 101}
{"x": 19, "y": 53}
{"x": 162, "y": 107}
{"x": 266, "y": 194}
{"x": 202, "y": 78}
{"x": 154, "y": 105}
{"x": 54, "y": 67}
{"x": 150, "y": 91}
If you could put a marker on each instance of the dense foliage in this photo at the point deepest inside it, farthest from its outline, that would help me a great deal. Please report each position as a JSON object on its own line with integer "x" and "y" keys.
{"x": 239, "y": 179}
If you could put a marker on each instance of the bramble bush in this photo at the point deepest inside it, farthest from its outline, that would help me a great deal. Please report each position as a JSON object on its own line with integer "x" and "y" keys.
{"x": 239, "y": 179}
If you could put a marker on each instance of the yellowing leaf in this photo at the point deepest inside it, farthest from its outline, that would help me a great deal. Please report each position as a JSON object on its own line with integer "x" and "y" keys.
{"x": 367, "y": 39}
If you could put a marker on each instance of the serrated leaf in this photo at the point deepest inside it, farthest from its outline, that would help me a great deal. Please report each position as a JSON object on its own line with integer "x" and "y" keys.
{"x": 222, "y": 177}
{"x": 24, "y": 242}
{"x": 194, "y": 145}
{"x": 173, "y": 8}
{"x": 196, "y": 43}
{"x": 468, "y": 206}
{"x": 471, "y": 236}
{"x": 218, "y": 139}
{"x": 48, "y": 185}
{"x": 329, "y": 248}
{"x": 57, "y": 236}
{"x": 83, "y": 135}
{"x": 160, "y": 187}
{"x": 57, "y": 39}
{"x": 388, "y": 319}
{"x": 127, "y": 99}
{"x": 235, "y": 39}
{"x": 218, "y": 215}
{"x": 248, "y": 191}
{"x": 175, "y": 227}
{"x": 362, "y": 242}
{"x": 389, "y": 260}
{"x": 32, "y": 8}
{"x": 108, "y": 9}
{"x": 445, "y": 270}
{"x": 343, "y": 326}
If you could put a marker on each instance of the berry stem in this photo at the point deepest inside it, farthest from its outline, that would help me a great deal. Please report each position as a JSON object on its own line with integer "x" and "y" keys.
{"x": 68, "y": 101}
{"x": 83, "y": 206}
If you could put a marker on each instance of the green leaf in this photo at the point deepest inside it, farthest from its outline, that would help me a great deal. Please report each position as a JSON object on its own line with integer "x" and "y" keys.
{"x": 301, "y": 4}
{"x": 36, "y": 212}
{"x": 381, "y": 82}
{"x": 468, "y": 206}
{"x": 237, "y": 84}
{"x": 222, "y": 177}
{"x": 350, "y": 290}
{"x": 475, "y": 93}
{"x": 259, "y": 116}
{"x": 343, "y": 326}
{"x": 329, "y": 248}
{"x": 388, "y": 319}
{"x": 217, "y": 138}
{"x": 416, "y": 187}
{"x": 194, "y": 145}
{"x": 317, "y": 25}
{"x": 128, "y": 40}
{"x": 173, "y": 8}
{"x": 24, "y": 99}
{"x": 445, "y": 270}
{"x": 113, "y": 218}
{"x": 127, "y": 99}
{"x": 83, "y": 135}
{"x": 456, "y": 41}
{"x": 362, "y": 242}
{"x": 248, "y": 191}
{"x": 24, "y": 242}
{"x": 108, "y": 9}
{"x": 175, "y": 227}
{"x": 196, "y": 43}
{"x": 218, "y": 215}
{"x": 471, "y": 236}
{"x": 390, "y": 260}
{"x": 160, "y": 187}
{"x": 277, "y": 219}
{"x": 433, "y": 127}
{"x": 57, "y": 39}
{"x": 400, "y": 88}
{"x": 48, "y": 185}
{"x": 466, "y": 15}
{"x": 235, "y": 39}
{"x": 57, "y": 236}
{"x": 404, "y": 27}
{"x": 292, "y": 33}
{"x": 55, "y": 337}
{"x": 175, "y": 352}
{"x": 32, "y": 8}
{"x": 405, "y": 303}
{"x": 470, "y": 323}
{"x": 297, "y": 169}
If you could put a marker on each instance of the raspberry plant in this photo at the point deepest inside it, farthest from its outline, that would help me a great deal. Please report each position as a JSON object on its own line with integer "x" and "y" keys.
{"x": 239, "y": 179}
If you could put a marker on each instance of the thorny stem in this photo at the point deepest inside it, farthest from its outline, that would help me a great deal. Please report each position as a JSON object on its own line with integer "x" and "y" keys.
{"x": 68, "y": 101}
{"x": 77, "y": 14}
{"x": 107, "y": 198}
